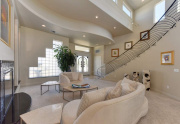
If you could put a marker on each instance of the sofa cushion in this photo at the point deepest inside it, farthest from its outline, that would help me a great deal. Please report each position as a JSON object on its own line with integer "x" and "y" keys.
{"x": 91, "y": 98}
{"x": 126, "y": 89}
{"x": 114, "y": 92}
{"x": 69, "y": 75}
{"x": 69, "y": 114}
{"x": 75, "y": 76}
{"x": 134, "y": 84}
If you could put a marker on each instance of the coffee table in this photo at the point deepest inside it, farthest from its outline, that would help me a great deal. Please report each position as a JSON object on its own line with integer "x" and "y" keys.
{"x": 46, "y": 115}
{"x": 50, "y": 83}
{"x": 70, "y": 89}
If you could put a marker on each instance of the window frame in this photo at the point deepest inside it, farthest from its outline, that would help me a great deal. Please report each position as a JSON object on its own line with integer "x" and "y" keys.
{"x": 154, "y": 17}
{"x": 128, "y": 8}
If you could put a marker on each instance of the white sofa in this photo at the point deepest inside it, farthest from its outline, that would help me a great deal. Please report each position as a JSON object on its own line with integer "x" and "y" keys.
{"x": 69, "y": 78}
{"x": 126, "y": 109}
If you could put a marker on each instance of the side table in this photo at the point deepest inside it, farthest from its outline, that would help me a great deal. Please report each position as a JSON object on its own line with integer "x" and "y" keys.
{"x": 46, "y": 115}
{"x": 50, "y": 83}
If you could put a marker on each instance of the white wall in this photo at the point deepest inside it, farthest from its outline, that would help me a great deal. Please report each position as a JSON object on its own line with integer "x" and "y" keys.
{"x": 16, "y": 50}
{"x": 161, "y": 75}
{"x": 33, "y": 45}
{"x": 7, "y": 52}
{"x": 98, "y": 57}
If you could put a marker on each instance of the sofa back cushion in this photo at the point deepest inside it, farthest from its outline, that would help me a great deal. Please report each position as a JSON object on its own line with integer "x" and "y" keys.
{"x": 69, "y": 75}
{"x": 114, "y": 92}
{"x": 75, "y": 76}
{"x": 91, "y": 98}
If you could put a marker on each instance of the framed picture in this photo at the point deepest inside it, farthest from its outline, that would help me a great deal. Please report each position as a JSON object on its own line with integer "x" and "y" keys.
{"x": 128, "y": 45}
{"x": 5, "y": 18}
{"x": 167, "y": 58}
{"x": 115, "y": 52}
{"x": 145, "y": 35}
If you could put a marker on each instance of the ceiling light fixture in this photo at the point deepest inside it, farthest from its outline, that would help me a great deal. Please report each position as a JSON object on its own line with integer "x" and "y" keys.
{"x": 84, "y": 35}
{"x": 43, "y": 25}
{"x": 142, "y": 0}
{"x": 97, "y": 17}
{"x": 114, "y": 27}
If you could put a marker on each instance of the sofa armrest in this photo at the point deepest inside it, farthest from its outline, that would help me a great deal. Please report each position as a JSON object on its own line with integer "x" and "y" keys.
{"x": 63, "y": 79}
{"x": 80, "y": 77}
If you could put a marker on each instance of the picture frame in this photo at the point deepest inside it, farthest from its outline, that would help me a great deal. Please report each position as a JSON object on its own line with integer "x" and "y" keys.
{"x": 128, "y": 45}
{"x": 167, "y": 58}
{"x": 143, "y": 35}
{"x": 115, "y": 52}
{"x": 5, "y": 20}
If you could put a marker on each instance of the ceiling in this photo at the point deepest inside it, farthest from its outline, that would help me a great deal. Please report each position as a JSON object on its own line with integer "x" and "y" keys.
{"x": 78, "y": 10}
{"x": 135, "y": 4}
{"x": 30, "y": 20}
{"x": 84, "y": 10}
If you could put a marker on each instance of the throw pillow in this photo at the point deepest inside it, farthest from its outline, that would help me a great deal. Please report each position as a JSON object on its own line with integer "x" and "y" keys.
{"x": 91, "y": 98}
{"x": 120, "y": 81}
{"x": 114, "y": 92}
{"x": 126, "y": 89}
{"x": 134, "y": 84}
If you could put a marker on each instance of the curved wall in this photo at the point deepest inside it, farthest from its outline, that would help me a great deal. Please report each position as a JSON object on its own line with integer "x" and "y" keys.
{"x": 54, "y": 18}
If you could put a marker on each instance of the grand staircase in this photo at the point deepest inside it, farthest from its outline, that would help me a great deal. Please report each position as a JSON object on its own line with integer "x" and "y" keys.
{"x": 161, "y": 28}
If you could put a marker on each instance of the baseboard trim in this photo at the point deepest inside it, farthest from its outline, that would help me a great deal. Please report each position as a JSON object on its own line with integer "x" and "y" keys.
{"x": 167, "y": 94}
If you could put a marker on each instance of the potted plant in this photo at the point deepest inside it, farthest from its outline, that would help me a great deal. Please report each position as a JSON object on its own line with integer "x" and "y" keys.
{"x": 65, "y": 58}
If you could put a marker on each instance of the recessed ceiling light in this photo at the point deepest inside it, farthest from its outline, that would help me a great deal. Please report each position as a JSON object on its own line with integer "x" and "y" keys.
{"x": 97, "y": 17}
{"x": 142, "y": 0}
{"x": 84, "y": 35}
{"x": 114, "y": 27}
{"x": 43, "y": 25}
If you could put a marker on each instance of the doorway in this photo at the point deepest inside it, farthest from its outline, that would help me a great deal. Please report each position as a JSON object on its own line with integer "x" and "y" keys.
{"x": 83, "y": 63}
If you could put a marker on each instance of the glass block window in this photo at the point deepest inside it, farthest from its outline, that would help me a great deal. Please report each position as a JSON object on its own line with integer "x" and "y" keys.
{"x": 47, "y": 66}
{"x": 7, "y": 76}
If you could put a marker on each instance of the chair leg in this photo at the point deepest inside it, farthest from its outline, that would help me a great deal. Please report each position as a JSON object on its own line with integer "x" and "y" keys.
{"x": 57, "y": 90}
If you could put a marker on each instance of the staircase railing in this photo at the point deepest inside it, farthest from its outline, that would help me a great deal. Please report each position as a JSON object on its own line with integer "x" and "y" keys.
{"x": 161, "y": 28}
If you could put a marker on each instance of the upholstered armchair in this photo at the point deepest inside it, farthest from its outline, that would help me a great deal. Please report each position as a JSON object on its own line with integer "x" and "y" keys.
{"x": 69, "y": 78}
